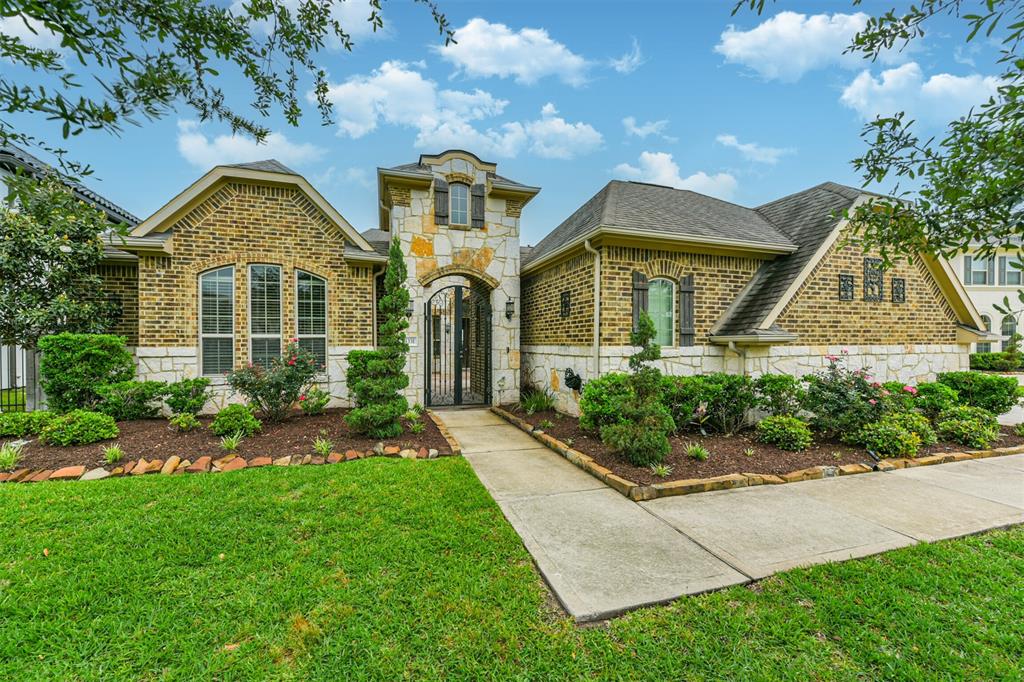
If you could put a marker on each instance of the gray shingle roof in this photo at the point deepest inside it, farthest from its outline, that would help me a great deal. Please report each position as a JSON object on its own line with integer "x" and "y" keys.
{"x": 268, "y": 165}
{"x": 807, "y": 218}
{"x": 379, "y": 240}
{"x": 424, "y": 169}
{"x": 656, "y": 208}
{"x": 12, "y": 156}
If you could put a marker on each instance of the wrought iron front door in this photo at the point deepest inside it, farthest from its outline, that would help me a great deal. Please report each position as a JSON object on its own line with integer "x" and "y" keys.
{"x": 458, "y": 357}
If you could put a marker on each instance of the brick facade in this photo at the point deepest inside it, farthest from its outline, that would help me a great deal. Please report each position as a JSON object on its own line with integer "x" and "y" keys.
{"x": 121, "y": 284}
{"x": 249, "y": 223}
{"x": 818, "y": 316}
{"x": 542, "y": 322}
{"x": 717, "y": 281}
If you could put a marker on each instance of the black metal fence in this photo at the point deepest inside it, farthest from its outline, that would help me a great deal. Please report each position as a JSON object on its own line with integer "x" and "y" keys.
{"x": 13, "y": 378}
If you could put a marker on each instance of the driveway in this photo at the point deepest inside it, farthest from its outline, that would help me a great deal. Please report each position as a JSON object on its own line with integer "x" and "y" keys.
{"x": 603, "y": 554}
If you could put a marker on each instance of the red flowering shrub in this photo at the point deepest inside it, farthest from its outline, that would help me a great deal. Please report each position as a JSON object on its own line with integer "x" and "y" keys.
{"x": 274, "y": 389}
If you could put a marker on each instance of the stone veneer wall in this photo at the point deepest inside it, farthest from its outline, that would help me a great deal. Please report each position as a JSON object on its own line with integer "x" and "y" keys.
{"x": 717, "y": 281}
{"x": 543, "y": 323}
{"x": 491, "y": 252}
{"x": 909, "y": 363}
{"x": 819, "y": 317}
{"x": 242, "y": 224}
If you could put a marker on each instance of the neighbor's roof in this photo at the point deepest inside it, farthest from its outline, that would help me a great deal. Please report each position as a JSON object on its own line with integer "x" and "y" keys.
{"x": 12, "y": 156}
{"x": 642, "y": 207}
{"x": 378, "y": 239}
{"x": 807, "y": 218}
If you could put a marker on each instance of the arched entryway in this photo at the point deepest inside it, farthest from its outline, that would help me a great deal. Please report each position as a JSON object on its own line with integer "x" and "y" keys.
{"x": 458, "y": 346}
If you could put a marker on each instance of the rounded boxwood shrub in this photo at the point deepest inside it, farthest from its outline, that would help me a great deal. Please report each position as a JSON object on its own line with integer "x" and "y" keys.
{"x": 915, "y": 423}
{"x": 188, "y": 396}
{"x": 683, "y": 396}
{"x": 21, "y": 424}
{"x": 235, "y": 419}
{"x": 74, "y": 366}
{"x": 127, "y": 400}
{"x": 888, "y": 439}
{"x": 603, "y": 400}
{"x": 79, "y": 427}
{"x": 993, "y": 393}
{"x": 966, "y": 425}
{"x": 934, "y": 398}
{"x": 785, "y": 432}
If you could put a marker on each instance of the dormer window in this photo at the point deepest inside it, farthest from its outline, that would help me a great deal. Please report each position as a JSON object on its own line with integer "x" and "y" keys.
{"x": 459, "y": 193}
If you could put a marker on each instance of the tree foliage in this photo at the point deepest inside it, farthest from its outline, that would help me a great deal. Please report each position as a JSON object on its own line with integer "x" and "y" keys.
{"x": 50, "y": 245}
{"x": 149, "y": 57}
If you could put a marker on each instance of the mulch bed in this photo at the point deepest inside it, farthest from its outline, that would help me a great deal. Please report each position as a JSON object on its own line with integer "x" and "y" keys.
{"x": 726, "y": 451}
{"x": 157, "y": 439}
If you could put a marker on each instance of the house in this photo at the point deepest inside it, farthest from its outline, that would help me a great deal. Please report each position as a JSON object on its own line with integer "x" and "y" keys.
{"x": 989, "y": 280}
{"x": 251, "y": 254}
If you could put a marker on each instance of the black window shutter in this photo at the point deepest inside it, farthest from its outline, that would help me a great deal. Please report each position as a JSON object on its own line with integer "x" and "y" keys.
{"x": 440, "y": 202}
{"x": 477, "y": 209}
{"x": 639, "y": 297}
{"x": 686, "y": 329}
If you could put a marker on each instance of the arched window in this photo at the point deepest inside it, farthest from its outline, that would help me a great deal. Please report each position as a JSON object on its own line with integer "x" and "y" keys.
{"x": 986, "y": 322}
{"x": 1009, "y": 328}
{"x": 459, "y": 194}
{"x": 217, "y": 321}
{"x": 311, "y": 314}
{"x": 661, "y": 307}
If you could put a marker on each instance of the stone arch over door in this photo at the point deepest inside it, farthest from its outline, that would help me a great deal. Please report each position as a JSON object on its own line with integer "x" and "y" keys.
{"x": 455, "y": 270}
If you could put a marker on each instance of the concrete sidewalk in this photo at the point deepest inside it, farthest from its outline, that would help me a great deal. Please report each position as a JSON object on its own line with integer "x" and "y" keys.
{"x": 603, "y": 554}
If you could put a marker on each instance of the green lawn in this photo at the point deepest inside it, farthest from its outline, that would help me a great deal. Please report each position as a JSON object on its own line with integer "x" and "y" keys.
{"x": 387, "y": 569}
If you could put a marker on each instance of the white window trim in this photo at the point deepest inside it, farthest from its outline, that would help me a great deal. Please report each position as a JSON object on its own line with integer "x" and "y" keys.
{"x": 202, "y": 334}
{"x": 974, "y": 269}
{"x": 327, "y": 316}
{"x": 280, "y": 308}
{"x": 451, "y": 204}
{"x": 673, "y": 328}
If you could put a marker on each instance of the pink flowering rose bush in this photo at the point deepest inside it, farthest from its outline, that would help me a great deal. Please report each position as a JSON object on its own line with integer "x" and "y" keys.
{"x": 275, "y": 388}
{"x": 842, "y": 400}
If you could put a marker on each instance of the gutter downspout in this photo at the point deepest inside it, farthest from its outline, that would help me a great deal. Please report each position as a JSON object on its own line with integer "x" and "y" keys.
{"x": 741, "y": 353}
{"x": 597, "y": 306}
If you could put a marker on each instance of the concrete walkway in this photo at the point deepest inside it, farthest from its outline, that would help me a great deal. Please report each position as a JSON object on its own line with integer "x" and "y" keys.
{"x": 603, "y": 554}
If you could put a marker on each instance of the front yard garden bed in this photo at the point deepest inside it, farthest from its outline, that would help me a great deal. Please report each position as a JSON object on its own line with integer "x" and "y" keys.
{"x": 157, "y": 439}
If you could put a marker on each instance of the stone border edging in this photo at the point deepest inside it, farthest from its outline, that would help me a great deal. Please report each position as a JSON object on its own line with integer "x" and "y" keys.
{"x": 688, "y": 486}
{"x": 453, "y": 442}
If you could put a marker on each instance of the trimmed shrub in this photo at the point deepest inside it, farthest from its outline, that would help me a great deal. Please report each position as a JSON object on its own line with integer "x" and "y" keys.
{"x": 996, "y": 362}
{"x": 602, "y": 401}
{"x": 274, "y": 389}
{"x": 934, "y": 398}
{"x": 314, "y": 401}
{"x": 779, "y": 394}
{"x": 727, "y": 399}
{"x": 185, "y": 422}
{"x": 188, "y": 396}
{"x": 235, "y": 419}
{"x": 888, "y": 439}
{"x": 785, "y": 432}
{"x": 533, "y": 400}
{"x": 967, "y": 425}
{"x": 21, "y": 424}
{"x": 915, "y": 423}
{"x": 683, "y": 396}
{"x": 841, "y": 400}
{"x": 897, "y": 397}
{"x": 127, "y": 400}
{"x": 991, "y": 392}
{"x": 79, "y": 427}
{"x": 74, "y": 366}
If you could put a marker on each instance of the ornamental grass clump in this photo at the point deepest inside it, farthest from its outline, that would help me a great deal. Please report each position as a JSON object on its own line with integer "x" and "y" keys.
{"x": 641, "y": 435}
{"x": 275, "y": 387}
{"x": 10, "y": 455}
{"x": 376, "y": 378}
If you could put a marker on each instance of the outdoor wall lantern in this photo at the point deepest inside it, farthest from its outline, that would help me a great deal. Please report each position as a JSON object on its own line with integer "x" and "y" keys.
{"x": 510, "y": 309}
{"x": 409, "y": 310}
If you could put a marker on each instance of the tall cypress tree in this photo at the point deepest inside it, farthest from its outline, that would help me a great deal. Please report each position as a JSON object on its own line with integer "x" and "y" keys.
{"x": 376, "y": 378}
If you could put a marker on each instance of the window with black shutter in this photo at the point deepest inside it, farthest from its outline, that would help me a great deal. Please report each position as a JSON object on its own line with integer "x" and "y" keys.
{"x": 687, "y": 334}
{"x": 477, "y": 207}
{"x": 639, "y": 296}
{"x": 440, "y": 202}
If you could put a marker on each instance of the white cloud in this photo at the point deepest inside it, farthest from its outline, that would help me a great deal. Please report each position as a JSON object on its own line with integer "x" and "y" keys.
{"x": 660, "y": 169}
{"x": 205, "y": 153}
{"x": 752, "y": 151}
{"x": 30, "y": 32}
{"x": 343, "y": 176}
{"x": 630, "y": 61}
{"x": 552, "y": 137}
{"x": 351, "y": 14}
{"x": 790, "y": 44}
{"x": 485, "y": 49}
{"x": 398, "y": 94}
{"x": 643, "y": 130}
{"x": 935, "y": 100}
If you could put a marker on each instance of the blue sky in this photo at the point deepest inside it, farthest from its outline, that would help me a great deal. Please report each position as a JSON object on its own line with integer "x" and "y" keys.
{"x": 569, "y": 95}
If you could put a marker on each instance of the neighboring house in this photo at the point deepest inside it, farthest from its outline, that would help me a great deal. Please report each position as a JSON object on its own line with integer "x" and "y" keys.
{"x": 18, "y": 369}
{"x": 251, "y": 255}
{"x": 988, "y": 281}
